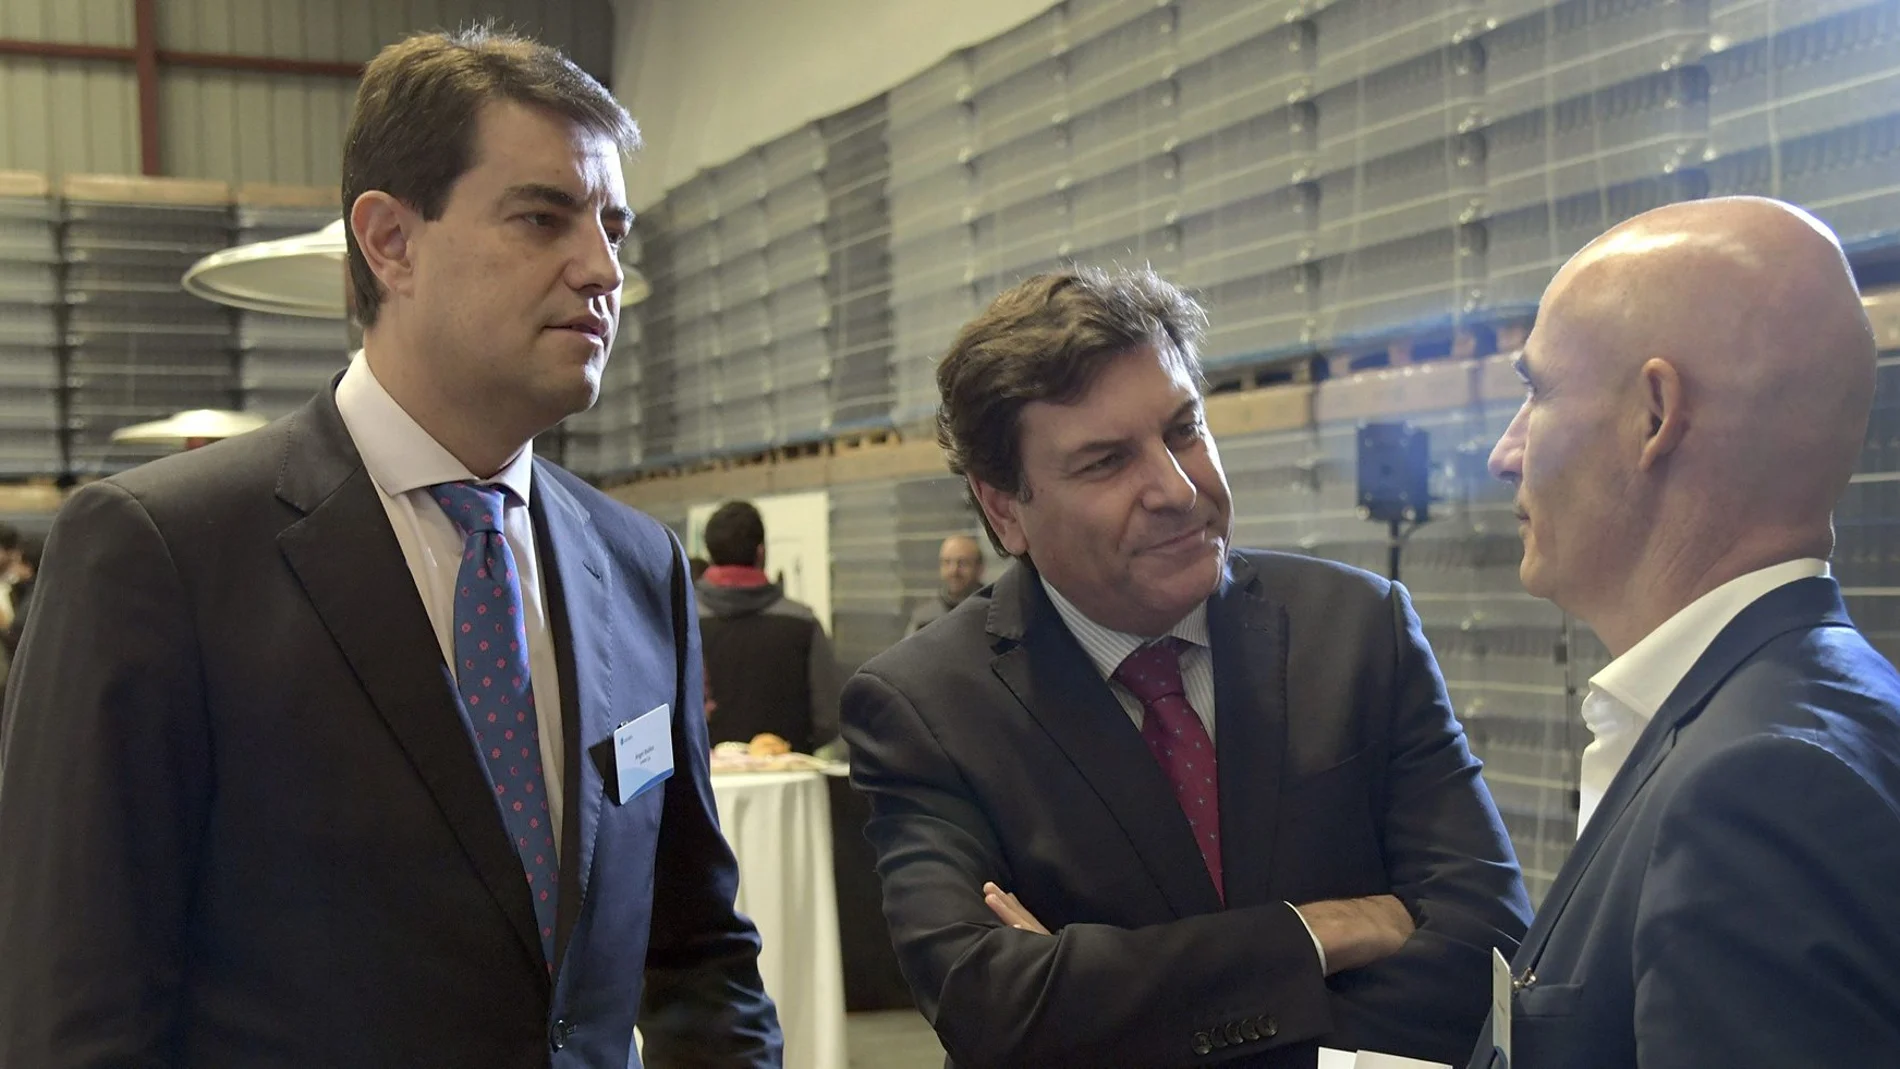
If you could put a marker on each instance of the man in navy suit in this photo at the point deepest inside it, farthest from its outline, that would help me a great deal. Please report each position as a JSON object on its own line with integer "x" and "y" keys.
{"x": 266, "y": 800}
{"x": 1699, "y": 384}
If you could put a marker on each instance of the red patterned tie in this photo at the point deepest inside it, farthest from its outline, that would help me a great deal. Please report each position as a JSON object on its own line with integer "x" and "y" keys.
{"x": 1177, "y": 738}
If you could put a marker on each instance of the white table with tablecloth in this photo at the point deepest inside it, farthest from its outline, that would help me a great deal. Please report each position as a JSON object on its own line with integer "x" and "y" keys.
{"x": 779, "y": 825}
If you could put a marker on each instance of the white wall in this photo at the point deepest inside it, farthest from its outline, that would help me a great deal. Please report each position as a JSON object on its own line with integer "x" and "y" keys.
{"x": 61, "y": 116}
{"x": 709, "y": 79}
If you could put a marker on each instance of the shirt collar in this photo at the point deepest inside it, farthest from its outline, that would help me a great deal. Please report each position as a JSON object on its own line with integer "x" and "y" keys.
{"x": 1108, "y": 648}
{"x": 398, "y": 454}
{"x": 1645, "y": 675}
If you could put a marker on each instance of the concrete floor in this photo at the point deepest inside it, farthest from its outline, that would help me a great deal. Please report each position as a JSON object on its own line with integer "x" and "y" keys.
{"x": 899, "y": 1039}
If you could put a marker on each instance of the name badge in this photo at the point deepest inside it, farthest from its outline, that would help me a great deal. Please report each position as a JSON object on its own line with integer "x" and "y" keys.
{"x": 1494, "y": 1043}
{"x": 643, "y": 753}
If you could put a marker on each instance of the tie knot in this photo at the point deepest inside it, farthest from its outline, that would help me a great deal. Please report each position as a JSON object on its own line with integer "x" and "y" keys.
{"x": 470, "y": 506}
{"x": 1153, "y": 671}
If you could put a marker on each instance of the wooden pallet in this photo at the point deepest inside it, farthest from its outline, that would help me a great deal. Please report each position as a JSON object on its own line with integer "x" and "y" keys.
{"x": 1472, "y": 339}
{"x": 918, "y": 430}
{"x": 271, "y": 195}
{"x": 870, "y": 438}
{"x": 1303, "y": 369}
{"x": 142, "y": 190}
{"x": 816, "y": 447}
{"x": 1284, "y": 395}
{"x": 34, "y": 496}
{"x": 25, "y": 184}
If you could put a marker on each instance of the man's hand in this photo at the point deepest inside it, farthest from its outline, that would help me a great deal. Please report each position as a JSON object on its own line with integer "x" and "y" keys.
{"x": 1011, "y": 912}
{"x": 1356, "y": 932}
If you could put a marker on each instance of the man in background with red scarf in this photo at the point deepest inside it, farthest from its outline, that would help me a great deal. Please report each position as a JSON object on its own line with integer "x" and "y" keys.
{"x": 767, "y": 657}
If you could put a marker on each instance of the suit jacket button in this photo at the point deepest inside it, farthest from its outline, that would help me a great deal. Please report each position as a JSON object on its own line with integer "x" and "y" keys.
{"x": 1233, "y": 1032}
{"x": 558, "y": 1033}
{"x": 1201, "y": 1045}
{"x": 1267, "y": 1027}
{"x": 1250, "y": 1030}
{"x": 1219, "y": 1041}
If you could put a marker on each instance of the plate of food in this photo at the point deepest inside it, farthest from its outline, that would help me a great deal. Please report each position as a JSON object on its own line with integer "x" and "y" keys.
{"x": 765, "y": 753}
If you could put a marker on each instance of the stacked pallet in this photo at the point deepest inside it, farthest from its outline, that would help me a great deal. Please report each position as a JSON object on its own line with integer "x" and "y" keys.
{"x": 30, "y": 380}
{"x": 283, "y": 360}
{"x": 137, "y": 347}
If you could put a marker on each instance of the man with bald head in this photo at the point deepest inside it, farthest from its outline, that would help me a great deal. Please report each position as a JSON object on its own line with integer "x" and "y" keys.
{"x": 960, "y": 570}
{"x": 1699, "y": 383}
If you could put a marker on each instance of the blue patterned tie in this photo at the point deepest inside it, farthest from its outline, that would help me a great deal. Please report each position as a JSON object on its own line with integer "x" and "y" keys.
{"x": 491, "y": 669}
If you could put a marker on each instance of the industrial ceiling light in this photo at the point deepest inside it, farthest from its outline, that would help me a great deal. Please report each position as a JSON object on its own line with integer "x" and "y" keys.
{"x": 298, "y": 276}
{"x": 305, "y": 276}
{"x": 190, "y": 429}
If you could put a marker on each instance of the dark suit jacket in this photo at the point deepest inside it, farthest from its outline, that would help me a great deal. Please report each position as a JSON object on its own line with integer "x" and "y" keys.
{"x": 242, "y": 821}
{"x": 992, "y": 750}
{"x": 1735, "y": 901}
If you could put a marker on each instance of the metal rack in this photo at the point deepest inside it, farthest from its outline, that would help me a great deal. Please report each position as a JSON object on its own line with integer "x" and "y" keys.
{"x": 30, "y": 378}
{"x": 284, "y": 360}
{"x": 136, "y": 346}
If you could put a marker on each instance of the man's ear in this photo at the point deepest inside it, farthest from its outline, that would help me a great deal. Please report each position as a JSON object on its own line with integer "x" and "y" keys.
{"x": 1003, "y": 510}
{"x": 1665, "y": 411}
{"x": 384, "y": 228}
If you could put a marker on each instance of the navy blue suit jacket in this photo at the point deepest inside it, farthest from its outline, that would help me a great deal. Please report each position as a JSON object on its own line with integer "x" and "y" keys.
{"x": 1735, "y": 901}
{"x": 243, "y": 824}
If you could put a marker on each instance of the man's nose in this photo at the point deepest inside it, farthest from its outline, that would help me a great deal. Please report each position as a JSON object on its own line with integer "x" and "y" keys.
{"x": 1507, "y": 456}
{"x": 1169, "y": 488}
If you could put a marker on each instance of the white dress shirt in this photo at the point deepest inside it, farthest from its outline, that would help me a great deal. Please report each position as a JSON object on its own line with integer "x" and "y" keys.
{"x": 1108, "y": 648}
{"x": 404, "y": 461}
{"x": 1626, "y": 694}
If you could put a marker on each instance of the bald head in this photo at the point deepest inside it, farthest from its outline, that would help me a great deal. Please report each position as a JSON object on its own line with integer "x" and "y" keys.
{"x": 960, "y": 567}
{"x": 1752, "y": 304}
{"x": 1701, "y": 380}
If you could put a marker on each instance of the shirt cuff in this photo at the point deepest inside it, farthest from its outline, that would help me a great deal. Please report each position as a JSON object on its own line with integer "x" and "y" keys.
{"x": 1317, "y": 949}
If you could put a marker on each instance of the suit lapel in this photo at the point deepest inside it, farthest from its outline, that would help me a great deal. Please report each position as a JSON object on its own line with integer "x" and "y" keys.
{"x": 352, "y": 569}
{"x": 1249, "y": 641}
{"x": 1051, "y": 675}
{"x": 1806, "y": 603}
{"x": 1651, "y": 747}
{"x": 575, "y": 568}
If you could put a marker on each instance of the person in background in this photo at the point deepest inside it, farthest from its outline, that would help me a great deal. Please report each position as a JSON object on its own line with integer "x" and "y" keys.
{"x": 960, "y": 571}
{"x": 315, "y": 755}
{"x": 699, "y": 565}
{"x": 1147, "y": 800}
{"x": 9, "y": 572}
{"x": 15, "y": 585}
{"x": 21, "y": 579}
{"x": 1698, "y": 386}
{"x": 25, "y": 572}
{"x": 767, "y": 656}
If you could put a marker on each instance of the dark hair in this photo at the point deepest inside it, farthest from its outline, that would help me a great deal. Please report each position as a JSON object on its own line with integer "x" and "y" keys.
{"x": 9, "y": 538}
{"x": 735, "y": 533}
{"x": 413, "y": 132}
{"x": 1048, "y": 338}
